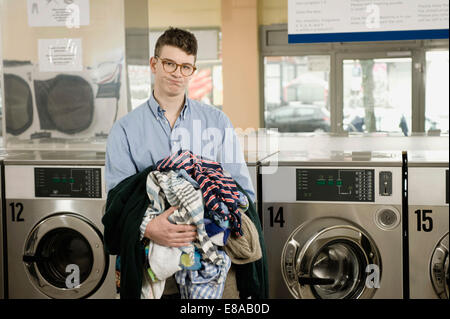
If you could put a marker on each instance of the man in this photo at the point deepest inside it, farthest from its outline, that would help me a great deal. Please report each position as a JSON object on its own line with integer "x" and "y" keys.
{"x": 170, "y": 121}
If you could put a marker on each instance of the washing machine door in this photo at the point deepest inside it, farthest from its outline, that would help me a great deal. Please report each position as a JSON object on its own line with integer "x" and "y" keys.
{"x": 439, "y": 268}
{"x": 65, "y": 103}
{"x": 18, "y": 104}
{"x": 64, "y": 257}
{"x": 328, "y": 259}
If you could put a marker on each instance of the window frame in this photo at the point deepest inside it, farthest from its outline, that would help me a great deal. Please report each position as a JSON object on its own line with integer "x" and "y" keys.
{"x": 274, "y": 42}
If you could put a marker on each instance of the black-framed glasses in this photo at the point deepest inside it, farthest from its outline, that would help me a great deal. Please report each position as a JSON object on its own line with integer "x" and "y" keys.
{"x": 171, "y": 66}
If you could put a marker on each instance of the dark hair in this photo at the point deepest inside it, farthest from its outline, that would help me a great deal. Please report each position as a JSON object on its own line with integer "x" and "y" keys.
{"x": 179, "y": 38}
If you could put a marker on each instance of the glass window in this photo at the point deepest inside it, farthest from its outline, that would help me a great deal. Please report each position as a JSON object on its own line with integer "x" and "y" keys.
{"x": 206, "y": 83}
{"x": 139, "y": 81}
{"x": 436, "y": 91}
{"x": 284, "y": 113}
{"x": 377, "y": 95}
{"x": 298, "y": 86}
{"x": 306, "y": 112}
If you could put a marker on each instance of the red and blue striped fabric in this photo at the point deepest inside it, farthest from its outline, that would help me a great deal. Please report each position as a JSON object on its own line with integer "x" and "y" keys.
{"x": 215, "y": 186}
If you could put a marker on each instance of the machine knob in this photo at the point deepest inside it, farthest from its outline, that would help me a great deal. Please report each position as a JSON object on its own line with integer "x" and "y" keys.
{"x": 387, "y": 218}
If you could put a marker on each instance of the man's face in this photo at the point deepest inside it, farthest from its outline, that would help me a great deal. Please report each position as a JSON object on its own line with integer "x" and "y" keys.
{"x": 175, "y": 83}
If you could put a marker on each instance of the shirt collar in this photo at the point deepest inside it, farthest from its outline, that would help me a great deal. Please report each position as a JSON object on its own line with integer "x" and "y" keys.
{"x": 159, "y": 112}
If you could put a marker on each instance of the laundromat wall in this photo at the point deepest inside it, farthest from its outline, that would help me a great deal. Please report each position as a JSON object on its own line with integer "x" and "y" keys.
{"x": 118, "y": 24}
{"x": 79, "y": 65}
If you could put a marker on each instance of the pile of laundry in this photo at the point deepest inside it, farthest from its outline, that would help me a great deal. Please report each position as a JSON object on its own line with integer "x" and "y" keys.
{"x": 207, "y": 197}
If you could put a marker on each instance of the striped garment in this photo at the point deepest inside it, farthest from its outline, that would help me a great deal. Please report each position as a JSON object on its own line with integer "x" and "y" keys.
{"x": 206, "y": 283}
{"x": 157, "y": 205}
{"x": 182, "y": 194}
{"x": 215, "y": 186}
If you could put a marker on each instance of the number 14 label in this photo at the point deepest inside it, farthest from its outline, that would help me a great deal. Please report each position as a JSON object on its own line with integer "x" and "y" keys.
{"x": 276, "y": 218}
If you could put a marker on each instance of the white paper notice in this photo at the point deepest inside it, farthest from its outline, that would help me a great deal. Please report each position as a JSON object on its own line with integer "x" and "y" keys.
{"x": 340, "y": 16}
{"x": 58, "y": 13}
{"x": 60, "y": 55}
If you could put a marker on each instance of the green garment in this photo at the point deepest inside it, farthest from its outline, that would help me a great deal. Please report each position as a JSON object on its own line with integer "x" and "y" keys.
{"x": 252, "y": 278}
{"x": 125, "y": 207}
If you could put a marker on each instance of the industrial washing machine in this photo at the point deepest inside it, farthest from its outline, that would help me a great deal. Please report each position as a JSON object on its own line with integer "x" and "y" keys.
{"x": 54, "y": 204}
{"x": 332, "y": 225}
{"x": 68, "y": 105}
{"x": 428, "y": 220}
{"x": 2, "y": 232}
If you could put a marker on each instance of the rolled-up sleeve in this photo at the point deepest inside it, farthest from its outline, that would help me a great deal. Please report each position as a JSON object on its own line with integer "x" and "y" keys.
{"x": 118, "y": 162}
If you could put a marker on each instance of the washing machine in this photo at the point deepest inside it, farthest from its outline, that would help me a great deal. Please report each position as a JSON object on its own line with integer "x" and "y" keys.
{"x": 332, "y": 225}
{"x": 2, "y": 232}
{"x": 54, "y": 204}
{"x": 428, "y": 220}
{"x": 82, "y": 105}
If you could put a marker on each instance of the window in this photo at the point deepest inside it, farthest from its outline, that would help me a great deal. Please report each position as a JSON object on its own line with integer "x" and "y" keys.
{"x": 139, "y": 82}
{"x": 296, "y": 85}
{"x": 206, "y": 83}
{"x": 377, "y": 95}
{"x": 436, "y": 91}
{"x": 398, "y": 87}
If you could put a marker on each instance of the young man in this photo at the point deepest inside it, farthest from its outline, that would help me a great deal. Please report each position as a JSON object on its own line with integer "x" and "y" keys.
{"x": 170, "y": 121}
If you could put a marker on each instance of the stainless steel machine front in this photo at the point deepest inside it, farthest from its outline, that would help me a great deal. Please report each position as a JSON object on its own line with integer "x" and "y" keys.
{"x": 428, "y": 220}
{"x": 3, "y": 270}
{"x": 54, "y": 204}
{"x": 332, "y": 225}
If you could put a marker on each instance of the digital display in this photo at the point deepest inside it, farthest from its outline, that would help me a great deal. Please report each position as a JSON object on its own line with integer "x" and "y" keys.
{"x": 68, "y": 182}
{"x": 355, "y": 185}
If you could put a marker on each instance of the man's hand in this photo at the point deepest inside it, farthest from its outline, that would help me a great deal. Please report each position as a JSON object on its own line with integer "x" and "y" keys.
{"x": 163, "y": 232}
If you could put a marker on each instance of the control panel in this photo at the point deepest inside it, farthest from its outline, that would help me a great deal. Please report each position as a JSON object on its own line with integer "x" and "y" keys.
{"x": 81, "y": 182}
{"x": 353, "y": 185}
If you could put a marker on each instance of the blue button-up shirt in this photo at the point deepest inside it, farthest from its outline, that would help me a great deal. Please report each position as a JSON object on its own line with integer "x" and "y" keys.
{"x": 144, "y": 136}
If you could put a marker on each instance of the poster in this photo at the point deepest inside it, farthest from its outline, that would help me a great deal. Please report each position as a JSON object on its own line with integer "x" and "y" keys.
{"x": 58, "y": 13}
{"x": 60, "y": 55}
{"x": 366, "y": 20}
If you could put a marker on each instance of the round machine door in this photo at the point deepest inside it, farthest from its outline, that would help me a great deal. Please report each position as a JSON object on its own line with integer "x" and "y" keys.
{"x": 18, "y": 104}
{"x": 64, "y": 257}
{"x": 439, "y": 268}
{"x": 330, "y": 258}
{"x": 65, "y": 102}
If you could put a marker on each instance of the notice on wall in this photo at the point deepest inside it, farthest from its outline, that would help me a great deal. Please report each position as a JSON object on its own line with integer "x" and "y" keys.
{"x": 60, "y": 55}
{"x": 58, "y": 13}
{"x": 366, "y": 20}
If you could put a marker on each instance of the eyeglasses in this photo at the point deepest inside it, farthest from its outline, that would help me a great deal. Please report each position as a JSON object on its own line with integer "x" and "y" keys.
{"x": 171, "y": 66}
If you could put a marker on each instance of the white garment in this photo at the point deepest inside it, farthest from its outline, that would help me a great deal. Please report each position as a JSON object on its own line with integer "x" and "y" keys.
{"x": 150, "y": 289}
{"x": 164, "y": 261}
{"x": 217, "y": 239}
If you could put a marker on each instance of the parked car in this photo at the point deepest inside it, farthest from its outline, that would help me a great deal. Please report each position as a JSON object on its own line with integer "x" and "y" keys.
{"x": 307, "y": 88}
{"x": 299, "y": 118}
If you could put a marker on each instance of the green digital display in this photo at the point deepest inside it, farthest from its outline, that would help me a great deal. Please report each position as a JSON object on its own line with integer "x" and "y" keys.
{"x": 63, "y": 180}
{"x": 335, "y": 185}
{"x": 81, "y": 182}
